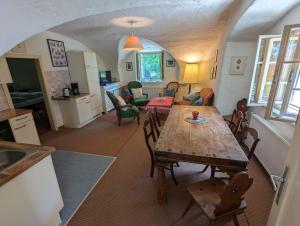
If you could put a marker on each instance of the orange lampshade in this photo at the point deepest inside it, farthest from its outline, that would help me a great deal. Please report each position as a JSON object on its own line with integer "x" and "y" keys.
{"x": 191, "y": 73}
{"x": 133, "y": 43}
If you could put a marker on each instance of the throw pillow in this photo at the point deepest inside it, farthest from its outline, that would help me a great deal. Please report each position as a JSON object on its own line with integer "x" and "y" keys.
{"x": 170, "y": 92}
{"x": 192, "y": 97}
{"x": 121, "y": 102}
{"x": 199, "y": 102}
{"x": 137, "y": 93}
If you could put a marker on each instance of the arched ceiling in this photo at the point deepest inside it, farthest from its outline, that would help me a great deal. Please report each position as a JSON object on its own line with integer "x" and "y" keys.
{"x": 21, "y": 19}
{"x": 260, "y": 17}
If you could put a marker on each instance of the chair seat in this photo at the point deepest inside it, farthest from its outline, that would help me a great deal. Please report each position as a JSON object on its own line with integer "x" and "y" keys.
{"x": 207, "y": 195}
{"x": 132, "y": 111}
{"x": 141, "y": 101}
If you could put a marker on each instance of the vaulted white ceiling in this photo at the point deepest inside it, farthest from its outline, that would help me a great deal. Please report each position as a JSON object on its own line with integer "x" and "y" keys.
{"x": 259, "y": 17}
{"x": 189, "y": 30}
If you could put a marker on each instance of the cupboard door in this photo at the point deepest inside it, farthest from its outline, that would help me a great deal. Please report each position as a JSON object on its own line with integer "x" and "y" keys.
{"x": 84, "y": 111}
{"x": 5, "y": 76}
{"x": 90, "y": 59}
{"x": 26, "y": 133}
{"x": 93, "y": 80}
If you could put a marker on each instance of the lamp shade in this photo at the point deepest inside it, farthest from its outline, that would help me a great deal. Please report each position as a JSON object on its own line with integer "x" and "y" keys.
{"x": 191, "y": 73}
{"x": 133, "y": 43}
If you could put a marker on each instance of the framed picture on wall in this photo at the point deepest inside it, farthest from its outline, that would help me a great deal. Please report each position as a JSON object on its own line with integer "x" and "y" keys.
{"x": 129, "y": 66}
{"x": 216, "y": 56}
{"x": 212, "y": 72}
{"x": 238, "y": 65}
{"x": 170, "y": 63}
{"x": 215, "y": 71}
{"x": 57, "y": 53}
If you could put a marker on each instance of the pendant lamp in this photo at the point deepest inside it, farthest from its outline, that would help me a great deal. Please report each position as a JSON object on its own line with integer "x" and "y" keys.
{"x": 132, "y": 42}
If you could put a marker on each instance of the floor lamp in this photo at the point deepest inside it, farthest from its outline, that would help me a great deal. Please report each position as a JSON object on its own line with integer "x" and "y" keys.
{"x": 191, "y": 74}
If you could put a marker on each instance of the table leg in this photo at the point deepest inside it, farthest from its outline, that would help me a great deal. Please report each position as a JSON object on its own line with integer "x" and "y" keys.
{"x": 162, "y": 186}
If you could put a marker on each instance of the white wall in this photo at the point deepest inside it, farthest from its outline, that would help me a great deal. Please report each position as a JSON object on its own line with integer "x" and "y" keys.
{"x": 235, "y": 87}
{"x": 292, "y": 17}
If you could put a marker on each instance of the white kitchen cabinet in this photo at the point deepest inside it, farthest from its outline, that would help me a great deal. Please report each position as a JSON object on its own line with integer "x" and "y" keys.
{"x": 76, "y": 111}
{"x": 83, "y": 70}
{"x": 33, "y": 198}
{"x": 115, "y": 89}
{"x": 5, "y": 76}
{"x": 24, "y": 129}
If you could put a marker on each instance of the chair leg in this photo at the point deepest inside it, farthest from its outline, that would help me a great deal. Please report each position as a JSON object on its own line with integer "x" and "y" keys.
{"x": 138, "y": 119}
{"x": 152, "y": 168}
{"x": 119, "y": 120}
{"x": 172, "y": 173}
{"x": 213, "y": 171}
{"x": 204, "y": 169}
{"x": 189, "y": 206}
{"x": 247, "y": 220}
{"x": 235, "y": 220}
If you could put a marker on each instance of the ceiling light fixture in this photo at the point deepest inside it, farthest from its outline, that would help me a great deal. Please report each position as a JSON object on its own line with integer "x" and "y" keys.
{"x": 132, "y": 42}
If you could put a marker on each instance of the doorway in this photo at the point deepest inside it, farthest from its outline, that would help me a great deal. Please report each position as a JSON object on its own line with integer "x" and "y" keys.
{"x": 26, "y": 91}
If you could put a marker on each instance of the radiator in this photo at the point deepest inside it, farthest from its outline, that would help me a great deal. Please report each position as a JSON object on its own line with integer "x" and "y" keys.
{"x": 272, "y": 150}
{"x": 153, "y": 91}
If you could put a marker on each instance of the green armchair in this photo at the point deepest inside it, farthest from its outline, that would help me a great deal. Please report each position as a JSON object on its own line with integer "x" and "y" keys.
{"x": 143, "y": 101}
{"x": 131, "y": 112}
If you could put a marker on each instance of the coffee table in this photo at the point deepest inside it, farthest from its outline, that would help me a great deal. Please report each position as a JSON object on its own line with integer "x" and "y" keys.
{"x": 162, "y": 104}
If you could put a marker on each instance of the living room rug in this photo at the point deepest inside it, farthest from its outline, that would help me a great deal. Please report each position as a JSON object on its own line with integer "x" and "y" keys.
{"x": 77, "y": 174}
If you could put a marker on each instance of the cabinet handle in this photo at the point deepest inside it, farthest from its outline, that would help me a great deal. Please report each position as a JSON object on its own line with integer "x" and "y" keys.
{"x": 19, "y": 119}
{"x": 20, "y": 127}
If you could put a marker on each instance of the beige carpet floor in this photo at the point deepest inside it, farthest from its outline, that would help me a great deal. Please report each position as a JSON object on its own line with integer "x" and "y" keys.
{"x": 126, "y": 195}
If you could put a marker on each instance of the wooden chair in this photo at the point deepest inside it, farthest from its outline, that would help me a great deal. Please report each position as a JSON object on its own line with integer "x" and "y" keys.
{"x": 131, "y": 112}
{"x": 235, "y": 122}
{"x": 241, "y": 105}
{"x": 156, "y": 161}
{"x": 219, "y": 200}
{"x": 156, "y": 122}
{"x": 171, "y": 86}
{"x": 249, "y": 149}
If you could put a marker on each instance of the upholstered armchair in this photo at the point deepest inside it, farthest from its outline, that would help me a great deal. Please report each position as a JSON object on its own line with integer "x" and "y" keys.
{"x": 138, "y": 97}
{"x": 124, "y": 111}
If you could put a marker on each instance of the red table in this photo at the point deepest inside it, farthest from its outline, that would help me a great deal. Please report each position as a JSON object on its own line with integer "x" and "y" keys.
{"x": 163, "y": 104}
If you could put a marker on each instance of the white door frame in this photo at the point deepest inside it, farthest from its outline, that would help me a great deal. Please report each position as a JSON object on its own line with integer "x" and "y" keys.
{"x": 44, "y": 86}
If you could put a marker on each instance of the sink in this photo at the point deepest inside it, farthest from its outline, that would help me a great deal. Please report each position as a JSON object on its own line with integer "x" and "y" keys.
{"x": 9, "y": 157}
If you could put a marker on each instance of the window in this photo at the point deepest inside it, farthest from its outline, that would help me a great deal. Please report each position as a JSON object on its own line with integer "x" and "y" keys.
{"x": 284, "y": 101}
{"x": 266, "y": 58}
{"x": 150, "y": 67}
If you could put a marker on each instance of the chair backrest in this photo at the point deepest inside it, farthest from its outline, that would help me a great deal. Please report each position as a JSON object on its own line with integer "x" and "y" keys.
{"x": 134, "y": 85}
{"x": 232, "y": 195}
{"x": 250, "y": 149}
{"x": 149, "y": 134}
{"x": 236, "y": 121}
{"x": 207, "y": 94}
{"x": 241, "y": 105}
{"x": 173, "y": 85}
{"x": 155, "y": 120}
{"x": 114, "y": 100}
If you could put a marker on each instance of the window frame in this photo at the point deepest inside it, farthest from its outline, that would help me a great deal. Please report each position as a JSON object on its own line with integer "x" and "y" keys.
{"x": 265, "y": 64}
{"x": 139, "y": 61}
{"x": 277, "y": 75}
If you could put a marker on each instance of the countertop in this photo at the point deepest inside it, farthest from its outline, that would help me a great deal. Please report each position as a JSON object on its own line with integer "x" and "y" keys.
{"x": 11, "y": 113}
{"x": 19, "y": 167}
{"x": 70, "y": 97}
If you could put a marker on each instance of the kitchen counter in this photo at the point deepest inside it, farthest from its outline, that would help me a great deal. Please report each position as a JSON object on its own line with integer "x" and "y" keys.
{"x": 19, "y": 167}
{"x": 70, "y": 97}
{"x": 11, "y": 113}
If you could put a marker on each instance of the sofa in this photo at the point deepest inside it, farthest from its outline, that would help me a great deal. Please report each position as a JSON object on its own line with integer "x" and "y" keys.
{"x": 206, "y": 95}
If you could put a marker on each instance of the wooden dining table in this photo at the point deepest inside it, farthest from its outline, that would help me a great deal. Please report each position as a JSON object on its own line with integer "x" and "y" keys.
{"x": 211, "y": 143}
